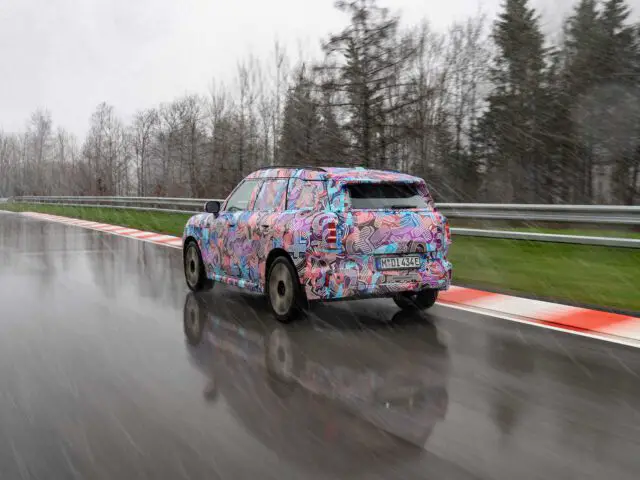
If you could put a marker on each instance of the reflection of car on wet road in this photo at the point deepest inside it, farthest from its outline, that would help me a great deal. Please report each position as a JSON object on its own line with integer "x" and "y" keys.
{"x": 306, "y": 388}
{"x": 299, "y": 234}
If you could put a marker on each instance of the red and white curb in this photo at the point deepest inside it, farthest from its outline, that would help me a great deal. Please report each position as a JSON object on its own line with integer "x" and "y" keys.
{"x": 606, "y": 326}
{"x": 152, "y": 237}
{"x": 612, "y": 327}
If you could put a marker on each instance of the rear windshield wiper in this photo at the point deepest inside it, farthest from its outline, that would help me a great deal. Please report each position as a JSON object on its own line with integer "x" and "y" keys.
{"x": 402, "y": 207}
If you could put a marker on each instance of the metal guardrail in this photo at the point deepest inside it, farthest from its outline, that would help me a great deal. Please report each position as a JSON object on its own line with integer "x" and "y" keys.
{"x": 165, "y": 204}
{"x": 549, "y": 237}
{"x": 596, "y": 214}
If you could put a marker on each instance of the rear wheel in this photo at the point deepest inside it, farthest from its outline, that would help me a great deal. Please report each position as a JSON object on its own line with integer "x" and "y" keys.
{"x": 416, "y": 301}
{"x": 283, "y": 290}
{"x": 194, "y": 268}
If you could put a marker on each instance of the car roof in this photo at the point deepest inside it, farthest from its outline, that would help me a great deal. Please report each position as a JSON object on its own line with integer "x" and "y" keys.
{"x": 338, "y": 174}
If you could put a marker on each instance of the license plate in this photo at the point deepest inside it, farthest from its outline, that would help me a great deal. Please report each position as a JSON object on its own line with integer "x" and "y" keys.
{"x": 399, "y": 263}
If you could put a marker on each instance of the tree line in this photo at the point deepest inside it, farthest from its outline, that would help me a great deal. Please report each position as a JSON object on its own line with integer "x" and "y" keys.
{"x": 490, "y": 110}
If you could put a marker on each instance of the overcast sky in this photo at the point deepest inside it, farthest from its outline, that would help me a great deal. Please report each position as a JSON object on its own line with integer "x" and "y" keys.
{"x": 69, "y": 55}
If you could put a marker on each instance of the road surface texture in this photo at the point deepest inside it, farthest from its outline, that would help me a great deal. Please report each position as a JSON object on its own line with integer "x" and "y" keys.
{"x": 110, "y": 369}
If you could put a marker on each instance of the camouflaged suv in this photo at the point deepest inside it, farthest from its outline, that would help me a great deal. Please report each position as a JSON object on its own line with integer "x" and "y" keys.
{"x": 305, "y": 234}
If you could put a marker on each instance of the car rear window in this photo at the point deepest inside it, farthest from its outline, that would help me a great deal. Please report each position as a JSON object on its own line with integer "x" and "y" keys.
{"x": 388, "y": 196}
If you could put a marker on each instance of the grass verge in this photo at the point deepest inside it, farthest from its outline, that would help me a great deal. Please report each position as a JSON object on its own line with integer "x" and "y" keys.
{"x": 609, "y": 277}
{"x": 582, "y": 274}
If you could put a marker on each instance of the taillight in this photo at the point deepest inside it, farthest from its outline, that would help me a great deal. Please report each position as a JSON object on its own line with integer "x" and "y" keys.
{"x": 447, "y": 231}
{"x": 332, "y": 234}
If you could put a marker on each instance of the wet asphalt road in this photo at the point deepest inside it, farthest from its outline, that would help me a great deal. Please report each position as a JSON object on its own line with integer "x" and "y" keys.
{"x": 110, "y": 369}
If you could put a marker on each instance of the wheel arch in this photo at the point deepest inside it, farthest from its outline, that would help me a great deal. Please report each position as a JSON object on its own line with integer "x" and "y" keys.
{"x": 273, "y": 254}
{"x": 186, "y": 242}
{"x": 300, "y": 297}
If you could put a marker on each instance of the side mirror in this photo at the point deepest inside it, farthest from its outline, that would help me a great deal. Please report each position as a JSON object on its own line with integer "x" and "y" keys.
{"x": 212, "y": 206}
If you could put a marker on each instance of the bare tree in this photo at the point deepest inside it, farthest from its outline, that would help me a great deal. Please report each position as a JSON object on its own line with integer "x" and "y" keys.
{"x": 245, "y": 150}
{"x": 106, "y": 151}
{"x": 142, "y": 131}
{"x": 427, "y": 127}
{"x": 64, "y": 162}
{"x": 369, "y": 59}
{"x": 39, "y": 132}
{"x": 467, "y": 60}
{"x": 220, "y": 122}
{"x": 280, "y": 80}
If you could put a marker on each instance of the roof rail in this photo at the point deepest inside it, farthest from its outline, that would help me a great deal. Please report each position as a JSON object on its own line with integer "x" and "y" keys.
{"x": 297, "y": 167}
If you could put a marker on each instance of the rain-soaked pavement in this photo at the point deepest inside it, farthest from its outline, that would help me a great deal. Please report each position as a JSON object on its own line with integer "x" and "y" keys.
{"x": 110, "y": 369}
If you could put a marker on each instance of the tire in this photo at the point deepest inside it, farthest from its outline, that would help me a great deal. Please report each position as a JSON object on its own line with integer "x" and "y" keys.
{"x": 194, "y": 272}
{"x": 283, "y": 290}
{"x": 422, "y": 300}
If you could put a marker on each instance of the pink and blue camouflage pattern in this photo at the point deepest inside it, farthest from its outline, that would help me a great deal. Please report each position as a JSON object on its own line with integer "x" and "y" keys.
{"x": 237, "y": 246}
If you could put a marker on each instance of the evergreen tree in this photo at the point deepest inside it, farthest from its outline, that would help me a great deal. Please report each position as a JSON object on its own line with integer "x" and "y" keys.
{"x": 300, "y": 125}
{"x": 365, "y": 62}
{"x": 618, "y": 42}
{"x": 311, "y": 134}
{"x": 581, "y": 55}
{"x": 332, "y": 144}
{"x": 514, "y": 122}
{"x": 620, "y": 99}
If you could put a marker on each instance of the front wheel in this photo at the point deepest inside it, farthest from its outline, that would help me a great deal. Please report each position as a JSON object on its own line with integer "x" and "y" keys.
{"x": 283, "y": 290}
{"x": 194, "y": 268}
{"x": 416, "y": 301}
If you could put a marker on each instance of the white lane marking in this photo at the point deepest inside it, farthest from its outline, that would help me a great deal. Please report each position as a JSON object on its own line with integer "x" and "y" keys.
{"x": 522, "y": 307}
{"x": 154, "y": 239}
{"x": 110, "y": 228}
{"x": 160, "y": 238}
{"x": 629, "y": 328}
{"x": 82, "y": 224}
{"x": 57, "y": 252}
{"x": 612, "y": 338}
{"x": 85, "y": 224}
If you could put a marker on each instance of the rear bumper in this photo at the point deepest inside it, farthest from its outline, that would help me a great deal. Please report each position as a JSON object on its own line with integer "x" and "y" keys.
{"x": 334, "y": 277}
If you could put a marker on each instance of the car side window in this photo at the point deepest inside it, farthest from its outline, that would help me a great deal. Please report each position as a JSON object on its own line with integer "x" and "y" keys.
{"x": 240, "y": 198}
{"x": 271, "y": 195}
{"x": 306, "y": 194}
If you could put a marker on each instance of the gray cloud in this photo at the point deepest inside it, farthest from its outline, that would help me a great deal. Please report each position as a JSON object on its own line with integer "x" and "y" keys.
{"x": 69, "y": 55}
